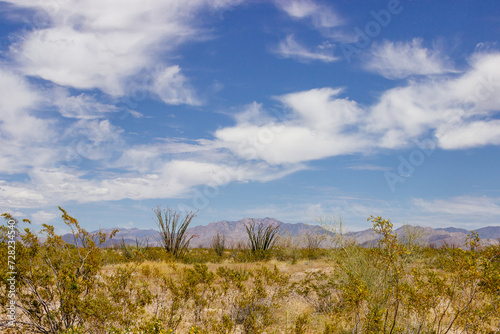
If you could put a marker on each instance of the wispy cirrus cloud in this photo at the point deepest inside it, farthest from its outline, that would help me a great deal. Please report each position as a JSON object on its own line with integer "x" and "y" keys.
{"x": 290, "y": 48}
{"x": 321, "y": 16}
{"x": 397, "y": 60}
{"x": 324, "y": 19}
{"x": 368, "y": 167}
{"x": 81, "y": 106}
{"x": 469, "y": 206}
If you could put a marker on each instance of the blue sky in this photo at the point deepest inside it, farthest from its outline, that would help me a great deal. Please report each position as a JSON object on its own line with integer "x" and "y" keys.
{"x": 288, "y": 109}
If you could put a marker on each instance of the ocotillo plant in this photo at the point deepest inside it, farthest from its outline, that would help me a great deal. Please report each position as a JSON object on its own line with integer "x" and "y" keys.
{"x": 262, "y": 237}
{"x": 219, "y": 244}
{"x": 173, "y": 237}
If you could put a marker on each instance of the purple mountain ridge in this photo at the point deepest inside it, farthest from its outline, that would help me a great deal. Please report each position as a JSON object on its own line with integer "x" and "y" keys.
{"x": 235, "y": 233}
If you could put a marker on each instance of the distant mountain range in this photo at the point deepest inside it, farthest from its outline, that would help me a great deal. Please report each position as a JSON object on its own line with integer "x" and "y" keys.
{"x": 235, "y": 233}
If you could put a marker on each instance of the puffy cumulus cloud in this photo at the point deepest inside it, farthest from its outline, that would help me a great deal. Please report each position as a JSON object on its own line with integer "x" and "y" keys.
{"x": 290, "y": 144}
{"x": 397, "y": 60}
{"x": 253, "y": 114}
{"x": 469, "y": 135}
{"x": 319, "y": 125}
{"x": 290, "y": 48}
{"x": 320, "y": 109}
{"x": 104, "y": 43}
{"x": 477, "y": 90}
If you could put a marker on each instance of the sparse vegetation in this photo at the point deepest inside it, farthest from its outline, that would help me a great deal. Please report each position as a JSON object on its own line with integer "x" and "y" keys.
{"x": 398, "y": 286}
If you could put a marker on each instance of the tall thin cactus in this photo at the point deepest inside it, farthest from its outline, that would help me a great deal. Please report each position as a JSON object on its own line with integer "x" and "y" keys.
{"x": 173, "y": 226}
{"x": 262, "y": 237}
{"x": 219, "y": 244}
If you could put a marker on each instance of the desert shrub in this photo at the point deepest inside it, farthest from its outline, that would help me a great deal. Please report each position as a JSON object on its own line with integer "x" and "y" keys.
{"x": 64, "y": 287}
{"x": 287, "y": 249}
{"x": 302, "y": 323}
{"x": 173, "y": 226}
{"x": 315, "y": 239}
{"x": 156, "y": 254}
{"x": 57, "y": 279}
{"x": 135, "y": 253}
{"x": 219, "y": 244}
{"x": 320, "y": 290}
{"x": 255, "y": 305}
{"x": 200, "y": 256}
{"x": 336, "y": 230}
{"x": 251, "y": 297}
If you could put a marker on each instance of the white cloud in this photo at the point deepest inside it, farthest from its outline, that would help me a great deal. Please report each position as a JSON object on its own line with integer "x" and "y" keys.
{"x": 84, "y": 51}
{"x": 455, "y": 111}
{"x": 317, "y": 128}
{"x": 368, "y": 167}
{"x": 469, "y": 135}
{"x": 82, "y": 106}
{"x": 253, "y": 114}
{"x": 175, "y": 179}
{"x": 19, "y": 195}
{"x": 95, "y": 139}
{"x": 17, "y": 101}
{"x": 324, "y": 20}
{"x": 322, "y": 17}
{"x": 446, "y": 106}
{"x": 172, "y": 87}
{"x": 397, "y": 60}
{"x": 43, "y": 217}
{"x": 462, "y": 207}
{"x": 321, "y": 109}
{"x": 26, "y": 138}
{"x": 105, "y": 44}
{"x": 290, "y": 48}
